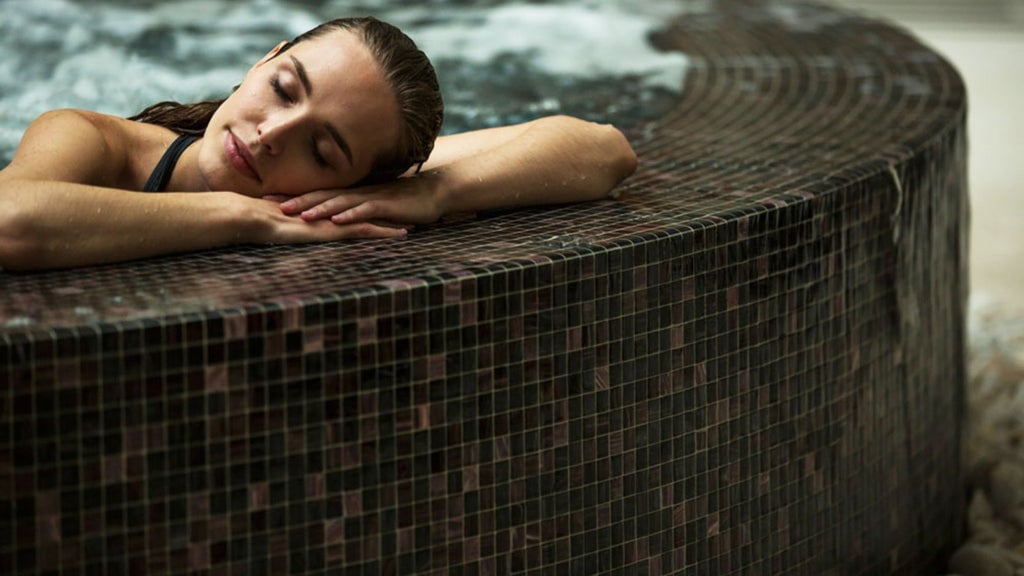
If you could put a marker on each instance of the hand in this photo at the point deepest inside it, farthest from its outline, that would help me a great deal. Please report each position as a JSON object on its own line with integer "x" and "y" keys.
{"x": 411, "y": 200}
{"x": 280, "y": 228}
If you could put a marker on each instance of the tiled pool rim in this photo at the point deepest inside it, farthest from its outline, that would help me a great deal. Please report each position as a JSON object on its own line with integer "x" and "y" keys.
{"x": 750, "y": 363}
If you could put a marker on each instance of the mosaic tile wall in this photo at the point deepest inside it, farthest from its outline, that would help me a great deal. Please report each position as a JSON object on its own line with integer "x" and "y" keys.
{"x": 750, "y": 363}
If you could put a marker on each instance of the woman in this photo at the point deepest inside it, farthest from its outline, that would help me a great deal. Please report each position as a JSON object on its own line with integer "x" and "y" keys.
{"x": 330, "y": 136}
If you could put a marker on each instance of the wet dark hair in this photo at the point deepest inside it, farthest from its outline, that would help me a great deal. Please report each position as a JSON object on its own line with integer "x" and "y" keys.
{"x": 406, "y": 68}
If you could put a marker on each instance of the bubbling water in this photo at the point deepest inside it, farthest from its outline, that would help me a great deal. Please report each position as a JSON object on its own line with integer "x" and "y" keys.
{"x": 498, "y": 62}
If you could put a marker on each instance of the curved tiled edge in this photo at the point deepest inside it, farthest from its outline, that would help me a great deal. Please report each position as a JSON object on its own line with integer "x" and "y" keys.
{"x": 751, "y": 363}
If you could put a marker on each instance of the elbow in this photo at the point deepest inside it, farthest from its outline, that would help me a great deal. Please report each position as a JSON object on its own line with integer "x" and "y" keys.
{"x": 601, "y": 151}
{"x": 628, "y": 160}
{"x": 612, "y": 144}
{"x": 622, "y": 158}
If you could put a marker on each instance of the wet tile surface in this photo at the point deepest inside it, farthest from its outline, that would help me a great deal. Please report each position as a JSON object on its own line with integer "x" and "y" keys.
{"x": 748, "y": 363}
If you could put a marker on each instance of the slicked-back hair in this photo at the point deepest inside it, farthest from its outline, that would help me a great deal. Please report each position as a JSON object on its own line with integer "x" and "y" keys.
{"x": 406, "y": 69}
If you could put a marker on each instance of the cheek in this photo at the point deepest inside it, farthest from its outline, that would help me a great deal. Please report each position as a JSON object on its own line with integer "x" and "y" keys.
{"x": 240, "y": 104}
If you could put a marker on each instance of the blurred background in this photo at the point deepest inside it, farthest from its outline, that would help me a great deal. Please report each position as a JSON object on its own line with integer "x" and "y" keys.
{"x": 984, "y": 39}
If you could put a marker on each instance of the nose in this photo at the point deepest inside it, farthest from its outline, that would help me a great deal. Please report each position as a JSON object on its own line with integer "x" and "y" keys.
{"x": 273, "y": 133}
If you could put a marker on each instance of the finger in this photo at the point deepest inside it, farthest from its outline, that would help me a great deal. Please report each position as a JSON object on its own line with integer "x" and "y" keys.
{"x": 365, "y": 211}
{"x": 390, "y": 224}
{"x": 279, "y": 198}
{"x": 325, "y": 231}
{"x": 369, "y": 230}
{"x": 306, "y": 201}
{"x": 330, "y": 207}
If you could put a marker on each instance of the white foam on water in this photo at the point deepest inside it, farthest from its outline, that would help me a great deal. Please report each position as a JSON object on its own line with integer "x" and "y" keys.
{"x": 579, "y": 39}
{"x": 804, "y": 17}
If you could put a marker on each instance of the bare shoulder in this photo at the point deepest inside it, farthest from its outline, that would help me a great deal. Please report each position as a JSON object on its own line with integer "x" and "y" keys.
{"x": 72, "y": 146}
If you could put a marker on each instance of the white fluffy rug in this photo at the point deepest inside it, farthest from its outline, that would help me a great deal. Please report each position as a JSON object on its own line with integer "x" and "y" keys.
{"x": 994, "y": 444}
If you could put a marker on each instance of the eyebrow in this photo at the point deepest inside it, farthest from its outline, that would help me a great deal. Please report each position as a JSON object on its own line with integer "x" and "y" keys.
{"x": 338, "y": 138}
{"x": 303, "y": 77}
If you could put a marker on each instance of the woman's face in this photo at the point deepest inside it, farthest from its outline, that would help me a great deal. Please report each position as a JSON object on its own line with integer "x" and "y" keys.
{"x": 313, "y": 117}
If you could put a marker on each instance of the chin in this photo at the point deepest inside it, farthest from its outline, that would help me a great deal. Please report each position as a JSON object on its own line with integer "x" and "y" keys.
{"x": 218, "y": 175}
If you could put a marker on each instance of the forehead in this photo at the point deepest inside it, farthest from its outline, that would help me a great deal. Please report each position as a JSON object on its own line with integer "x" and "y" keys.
{"x": 338, "y": 55}
{"x": 349, "y": 89}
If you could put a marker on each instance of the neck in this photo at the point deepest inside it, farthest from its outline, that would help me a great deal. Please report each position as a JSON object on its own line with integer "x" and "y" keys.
{"x": 186, "y": 176}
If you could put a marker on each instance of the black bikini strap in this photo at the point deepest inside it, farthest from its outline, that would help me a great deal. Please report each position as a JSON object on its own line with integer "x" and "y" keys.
{"x": 162, "y": 174}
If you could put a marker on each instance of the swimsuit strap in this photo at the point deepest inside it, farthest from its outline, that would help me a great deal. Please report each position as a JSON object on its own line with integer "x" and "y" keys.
{"x": 162, "y": 174}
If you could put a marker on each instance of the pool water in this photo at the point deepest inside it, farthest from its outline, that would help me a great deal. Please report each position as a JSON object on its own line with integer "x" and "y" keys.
{"x": 498, "y": 62}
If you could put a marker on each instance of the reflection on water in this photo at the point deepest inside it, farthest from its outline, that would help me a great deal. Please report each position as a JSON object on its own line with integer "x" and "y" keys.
{"x": 498, "y": 62}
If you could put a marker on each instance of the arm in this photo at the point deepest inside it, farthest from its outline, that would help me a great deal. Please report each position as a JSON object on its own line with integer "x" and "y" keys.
{"x": 58, "y": 207}
{"x": 552, "y": 160}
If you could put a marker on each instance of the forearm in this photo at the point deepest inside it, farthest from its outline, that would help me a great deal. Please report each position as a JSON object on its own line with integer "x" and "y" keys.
{"x": 555, "y": 160}
{"x": 59, "y": 224}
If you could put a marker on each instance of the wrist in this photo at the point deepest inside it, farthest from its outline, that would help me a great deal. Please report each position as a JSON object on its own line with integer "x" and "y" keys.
{"x": 443, "y": 185}
{"x": 244, "y": 220}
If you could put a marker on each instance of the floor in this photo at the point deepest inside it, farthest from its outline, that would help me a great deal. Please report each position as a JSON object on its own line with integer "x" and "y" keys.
{"x": 984, "y": 39}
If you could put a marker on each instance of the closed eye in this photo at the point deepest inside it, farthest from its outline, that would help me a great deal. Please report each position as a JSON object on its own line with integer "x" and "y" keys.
{"x": 300, "y": 71}
{"x": 318, "y": 157}
{"x": 275, "y": 83}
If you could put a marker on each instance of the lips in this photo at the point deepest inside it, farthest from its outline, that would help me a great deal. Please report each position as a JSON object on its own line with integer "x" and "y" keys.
{"x": 240, "y": 157}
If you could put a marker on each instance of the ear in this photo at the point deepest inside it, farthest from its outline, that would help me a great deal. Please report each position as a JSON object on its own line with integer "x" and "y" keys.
{"x": 270, "y": 54}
